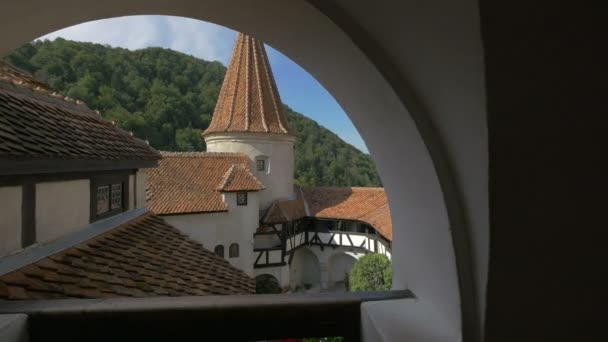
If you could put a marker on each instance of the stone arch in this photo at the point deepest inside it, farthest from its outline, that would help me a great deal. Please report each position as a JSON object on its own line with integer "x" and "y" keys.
{"x": 304, "y": 270}
{"x": 429, "y": 182}
{"x": 339, "y": 267}
{"x": 267, "y": 283}
{"x": 219, "y": 250}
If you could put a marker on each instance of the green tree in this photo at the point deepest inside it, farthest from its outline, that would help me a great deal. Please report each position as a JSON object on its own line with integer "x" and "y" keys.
{"x": 189, "y": 139}
{"x": 168, "y": 98}
{"x": 372, "y": 272}
{"x": 266, "y": 284}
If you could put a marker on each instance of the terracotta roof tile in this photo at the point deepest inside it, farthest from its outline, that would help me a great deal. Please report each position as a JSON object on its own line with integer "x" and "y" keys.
{"x": 162, "y": 269}
{"x": 239, "y": 178}
{"x": 286, "y": 210}
{"x": 249, "y": 100}
{"x": 36, "y": 122}
{"x": 368, "y": 205}
{"x": 188, "y": 182}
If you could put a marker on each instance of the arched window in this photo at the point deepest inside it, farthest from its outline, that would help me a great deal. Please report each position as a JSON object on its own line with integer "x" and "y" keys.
{"x": 219, "y": 250}
{"x": 234, "y": 250}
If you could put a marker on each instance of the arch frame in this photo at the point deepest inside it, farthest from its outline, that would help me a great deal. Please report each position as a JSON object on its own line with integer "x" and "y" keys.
{"x": 433, "y": 200}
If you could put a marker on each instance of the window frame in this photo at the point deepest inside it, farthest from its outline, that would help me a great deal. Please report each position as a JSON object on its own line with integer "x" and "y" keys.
{"x": 266, "y": 162}
{"x": 218, "y": 248}
{"x": 233, "y": 250}
{"x": 243, "y": 203}
{"x": 263, "y": 164}
{"x": 97, "y": 181}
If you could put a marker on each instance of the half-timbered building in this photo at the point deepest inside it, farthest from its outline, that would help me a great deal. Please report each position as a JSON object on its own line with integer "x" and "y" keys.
{"x": 74, "y": 223}
{"x": 239, "y": 197}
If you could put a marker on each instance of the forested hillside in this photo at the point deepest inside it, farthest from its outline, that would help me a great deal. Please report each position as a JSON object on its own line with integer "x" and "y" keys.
{"x": 168, "y": 98}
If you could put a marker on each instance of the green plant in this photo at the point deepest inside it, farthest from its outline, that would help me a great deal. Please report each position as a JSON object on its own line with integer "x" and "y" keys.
{"x": 372, "y": 272}
{"x": 265, "y": 284}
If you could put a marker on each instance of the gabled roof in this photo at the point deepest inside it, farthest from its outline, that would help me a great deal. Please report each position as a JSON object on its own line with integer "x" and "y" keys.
{"x": 249, "y": 101}
{"x": 37, "y": 123}
{"x": 189, "y": 182}
{"x": 285, "y": 211}
{"x": 239, "y": 178}
{"x": 144, "y": 257}
{"x": 369, "y": 205}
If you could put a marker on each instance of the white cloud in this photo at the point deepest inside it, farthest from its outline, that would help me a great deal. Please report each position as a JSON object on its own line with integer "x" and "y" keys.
{"x": 205, "y": 40}
{"x": 201, "y": 39}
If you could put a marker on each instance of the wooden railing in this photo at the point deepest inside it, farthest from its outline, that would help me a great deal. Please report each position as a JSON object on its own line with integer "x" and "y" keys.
{"x": 270, "y": 255}
{"x": 220, "y": 318}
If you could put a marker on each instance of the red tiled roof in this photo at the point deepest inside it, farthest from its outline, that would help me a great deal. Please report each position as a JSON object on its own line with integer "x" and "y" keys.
{"x": 249, "y": 100}
{"x": 285, "y": 211}
{"x": 380, "y": 219}
{"x": 368, "y": 205}
{"x": 142, "y": 258}
{"x": 36, "y": 122}
{"x": 239, "y": 178}
{"x": 188, "y": 182}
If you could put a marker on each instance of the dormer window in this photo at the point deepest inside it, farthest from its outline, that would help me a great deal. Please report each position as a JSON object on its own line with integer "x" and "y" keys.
{"x": 262, "y": 164}
{"x": 108, "y": 196}
{"x": 241, "y": 198}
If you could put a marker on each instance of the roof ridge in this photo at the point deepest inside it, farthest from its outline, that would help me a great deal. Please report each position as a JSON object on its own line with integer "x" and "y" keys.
{"x": 236, "y": 81}
{"x": 230, "y": 174}
{"x": 25, "y": 80}
{"x": 227, "y": 177}
{"x": 247, "y": 86}
{"x": 378, "y": 188}
{"x": 77, "y": 119}
{"x": 257, "y": 76}
{"x": 278, "y": 110}
{"x": 201, "y": 154}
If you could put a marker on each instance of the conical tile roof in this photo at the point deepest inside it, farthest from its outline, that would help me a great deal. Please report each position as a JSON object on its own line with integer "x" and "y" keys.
{"x": 249, "y": 101}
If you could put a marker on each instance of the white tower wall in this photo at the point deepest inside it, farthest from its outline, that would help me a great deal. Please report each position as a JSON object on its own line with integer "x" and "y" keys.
{"x": 275, "y": 149}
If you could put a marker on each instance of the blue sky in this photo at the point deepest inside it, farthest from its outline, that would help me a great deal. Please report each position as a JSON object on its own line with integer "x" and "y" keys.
{"x": 208, "y": 41}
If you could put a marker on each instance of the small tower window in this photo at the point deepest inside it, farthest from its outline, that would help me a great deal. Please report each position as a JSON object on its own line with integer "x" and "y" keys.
{"x": 261, "y": 165}
{"x": 241, "y": 198}
{"x": 233, "y": 251}
{"x": 219, "y": 250}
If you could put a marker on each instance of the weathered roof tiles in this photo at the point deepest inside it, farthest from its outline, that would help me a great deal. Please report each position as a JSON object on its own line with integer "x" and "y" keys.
{"x": 249, "y": 101}
{"x": 239, "y": 178}
{"x": 36, "y": 123}
{"x": 142, "y": 258}
{"x": 368, "y": 205}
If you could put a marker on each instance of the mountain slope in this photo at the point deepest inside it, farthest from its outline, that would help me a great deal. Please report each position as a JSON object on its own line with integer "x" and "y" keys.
{"x": 168, "y": 98}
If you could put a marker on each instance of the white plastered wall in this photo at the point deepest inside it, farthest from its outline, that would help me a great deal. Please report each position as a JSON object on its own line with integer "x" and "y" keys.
{"x": 10, "y": 219}
{"x": 305, "y": 270}
{"x": 276, "y": 149}
{"x": 237, "y": 225}
{"x": 61, "y": 208}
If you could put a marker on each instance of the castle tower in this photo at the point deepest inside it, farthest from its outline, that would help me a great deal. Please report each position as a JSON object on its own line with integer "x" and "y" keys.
{"x": 249, "y": 119}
